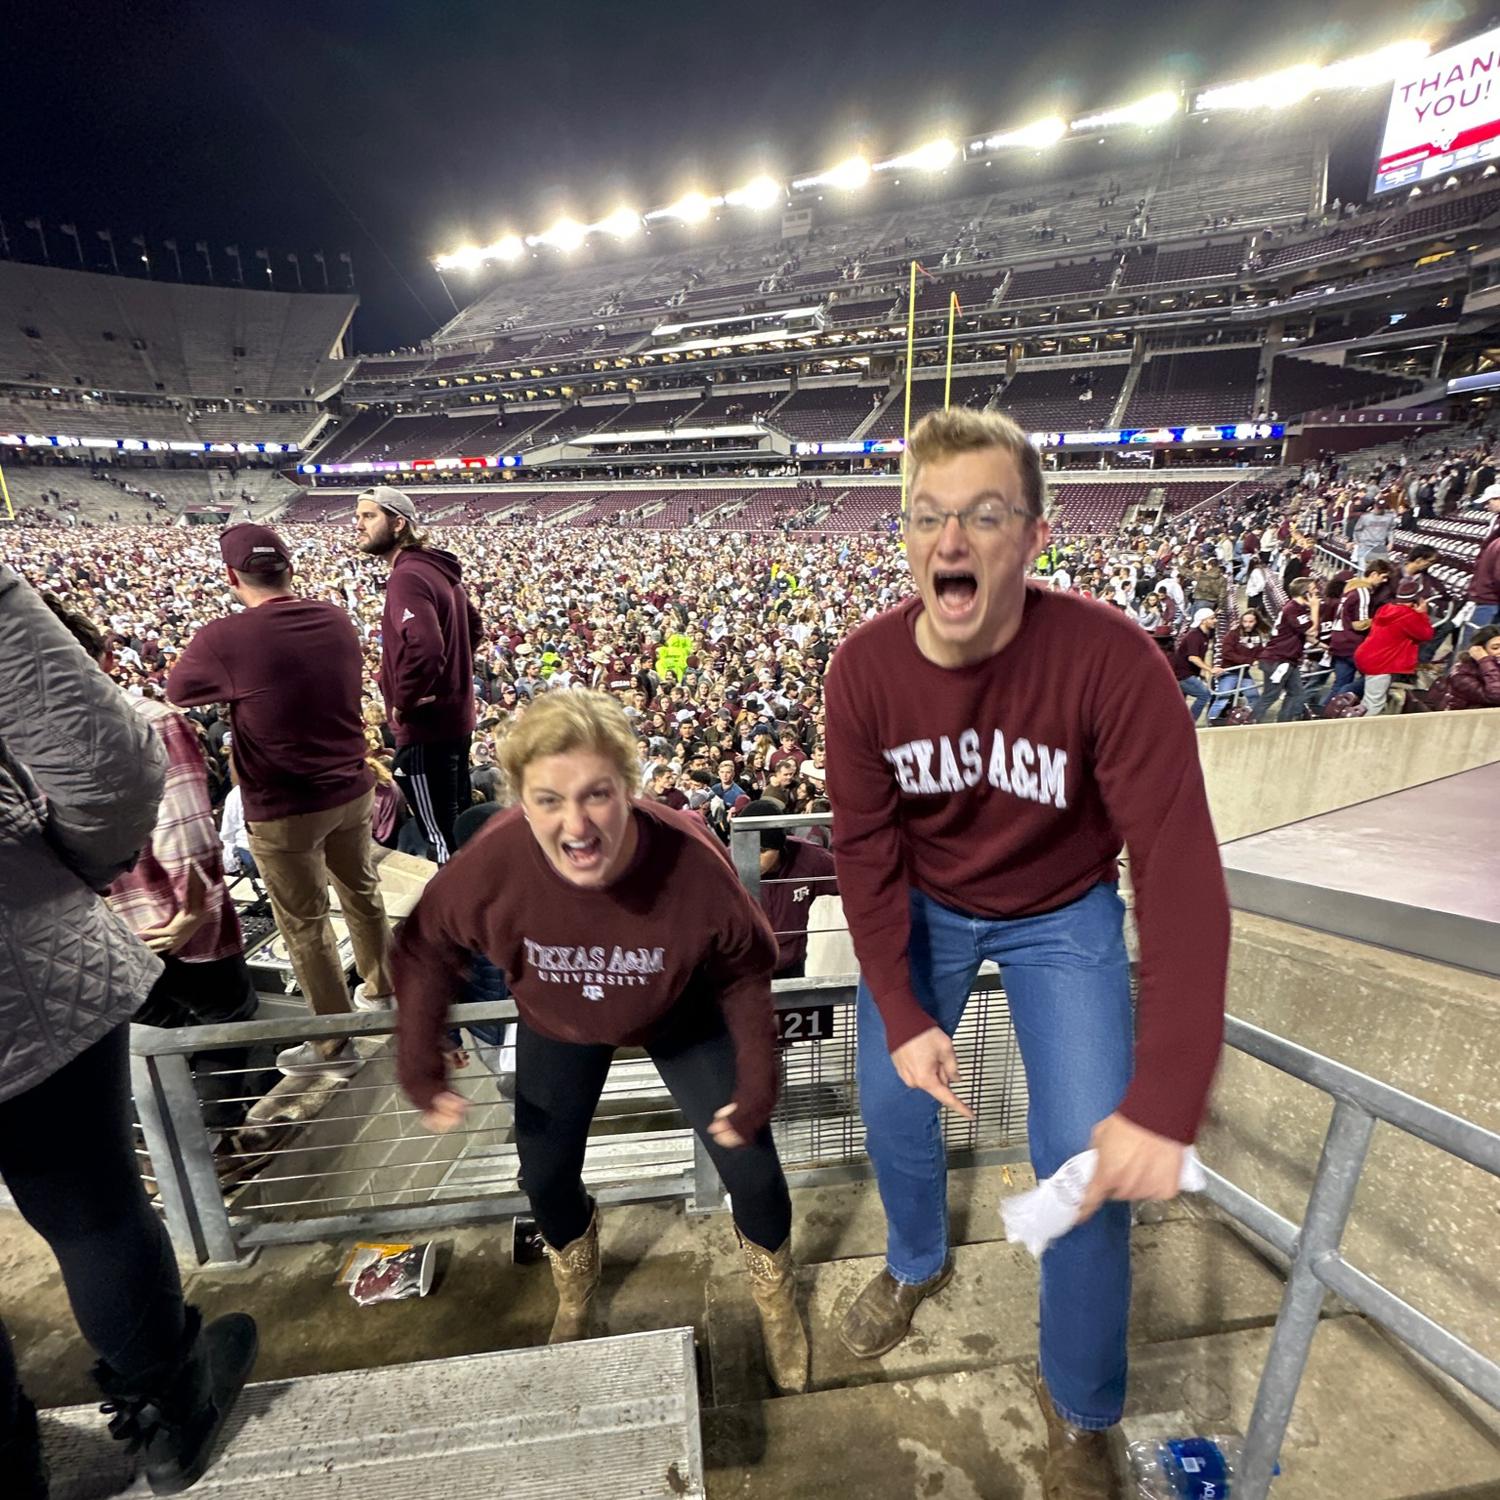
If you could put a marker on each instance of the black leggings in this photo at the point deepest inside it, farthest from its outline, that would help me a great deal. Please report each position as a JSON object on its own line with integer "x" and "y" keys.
{"x": 68, "y": 1158}
{"x": 557, "y": 1088}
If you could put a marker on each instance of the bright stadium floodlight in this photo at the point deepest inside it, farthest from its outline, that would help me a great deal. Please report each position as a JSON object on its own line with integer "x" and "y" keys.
{"x": 691, "y": 208}
{"x": 1038, "y": 134}
{"x": 465, "y": 258}
{"x": 507, "y": 247}
{"x": 565, "y": 235}
{"x": 622, "y": 223}
{"x": 935, "y": 156}
{"x": 1292, "y": 85}
{"x": 759, "y": 194}
{"x": 848, "y": 175}
{"x": 1154, "y": 109}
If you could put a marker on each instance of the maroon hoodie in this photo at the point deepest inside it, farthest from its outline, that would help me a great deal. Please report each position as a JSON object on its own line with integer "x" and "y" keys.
{"x": 427, "y": 638}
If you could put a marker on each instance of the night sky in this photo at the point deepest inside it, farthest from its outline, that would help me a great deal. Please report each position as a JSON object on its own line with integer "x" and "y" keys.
{"x": 398, "y": 130}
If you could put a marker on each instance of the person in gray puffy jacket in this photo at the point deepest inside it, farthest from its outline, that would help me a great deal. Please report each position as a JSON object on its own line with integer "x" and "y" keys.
{"x": 81, "y": 775}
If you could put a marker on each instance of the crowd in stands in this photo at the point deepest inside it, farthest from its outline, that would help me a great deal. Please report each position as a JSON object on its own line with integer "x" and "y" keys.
{"x": 1273, "y": 596}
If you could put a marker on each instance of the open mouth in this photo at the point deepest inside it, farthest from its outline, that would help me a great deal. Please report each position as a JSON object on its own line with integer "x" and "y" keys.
{"x": 956, "y": 592}
{"x": 584, "y": 854}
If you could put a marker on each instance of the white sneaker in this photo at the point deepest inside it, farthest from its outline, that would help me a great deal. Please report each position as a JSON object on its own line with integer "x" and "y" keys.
{"x": 364, "y": 1000}
{"x": 305, "y": 1061}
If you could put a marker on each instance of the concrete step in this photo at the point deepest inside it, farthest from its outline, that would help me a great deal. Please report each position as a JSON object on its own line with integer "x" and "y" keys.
{"x": 1368, "y": 1426}
{"x": 609, "y": 1419}
{"x": 1191, "y": 1277}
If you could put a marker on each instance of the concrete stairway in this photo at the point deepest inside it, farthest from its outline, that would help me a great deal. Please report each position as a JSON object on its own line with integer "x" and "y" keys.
{"x": 949, "y": 1413}
{"x": 611, "y": 1418}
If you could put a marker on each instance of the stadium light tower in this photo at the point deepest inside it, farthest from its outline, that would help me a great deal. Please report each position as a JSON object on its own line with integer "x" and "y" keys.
{"x": 935, "y": 156}
{"x": 691, "y": 208}
{"x": 760, "y": 194}
{"x": 565, "y": 235}
{"x": 1292, "y": 85}
{"x": 622, "y": 224}
{"x": 1038, "y": 135}
{"x": 1155, "y": 109}
{"x": 847, "y": 176}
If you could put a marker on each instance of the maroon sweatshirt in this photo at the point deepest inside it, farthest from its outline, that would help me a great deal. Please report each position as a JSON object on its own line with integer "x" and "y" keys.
{"x": 427, "y": 638}
{"x": 1006, "y": 788}
{"x": 787, "y": 894}
{"x": 1484, "y": 586}
{"x": 291, "y": 671}
{"x": 1289, "y": 638}
{"x": 594, "y": 966}
{"x": 1353, "y": 606}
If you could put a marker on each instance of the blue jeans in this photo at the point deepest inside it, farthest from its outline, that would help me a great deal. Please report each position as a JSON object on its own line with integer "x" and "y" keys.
{"x": 1484, "y": 614}
{"x": 1197, "y": 692}
{"x": 1067, "y": 981}
{"x": 1346, "y": 679}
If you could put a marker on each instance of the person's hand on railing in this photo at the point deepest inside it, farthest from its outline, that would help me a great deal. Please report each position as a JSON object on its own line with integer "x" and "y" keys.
{"x": 1135, "y": 1164}
{"x": 446, "y": 1113}
{"x": 928, "y": 1062}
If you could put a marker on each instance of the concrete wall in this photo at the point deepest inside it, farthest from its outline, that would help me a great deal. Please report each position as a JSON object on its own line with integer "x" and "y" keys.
{"x": 1424, "y": 1223}
{"x": 1264, "y": 775}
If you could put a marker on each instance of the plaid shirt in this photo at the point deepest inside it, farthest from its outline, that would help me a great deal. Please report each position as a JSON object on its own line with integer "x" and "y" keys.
{"x": 185, "y": 836}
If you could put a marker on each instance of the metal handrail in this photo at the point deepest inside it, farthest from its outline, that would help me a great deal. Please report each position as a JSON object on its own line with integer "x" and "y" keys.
{"x": 1317, "y": 1267}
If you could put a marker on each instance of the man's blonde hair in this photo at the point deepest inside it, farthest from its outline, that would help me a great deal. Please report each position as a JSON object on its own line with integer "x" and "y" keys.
{"x": 942, "y": 435}
{"x": 566, "y": 721}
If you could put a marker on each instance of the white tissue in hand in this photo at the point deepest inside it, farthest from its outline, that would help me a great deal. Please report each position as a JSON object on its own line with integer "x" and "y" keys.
{"x": 1051, "y": 1208}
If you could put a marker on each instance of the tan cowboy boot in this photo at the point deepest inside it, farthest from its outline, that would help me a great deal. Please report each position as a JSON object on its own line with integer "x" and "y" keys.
{"x": 1079, "y": 1463}
{"x": 775, "y": 1291}
{"x": 575, "y": 1274}
{"x": 882, "y": 1313}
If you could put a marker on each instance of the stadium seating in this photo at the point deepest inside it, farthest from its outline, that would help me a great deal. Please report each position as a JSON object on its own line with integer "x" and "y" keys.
{"x": 1304, "y": 385}
{"x": 1063, "y": 399}
{"x": 866, "y": 508}
{"x": 1150, "y": 266}
{"x": 825, "y": 413}
{"x": 78, "y": 329}
{"x": 1210, "y": 385}
{"x": 1064, "y": 280}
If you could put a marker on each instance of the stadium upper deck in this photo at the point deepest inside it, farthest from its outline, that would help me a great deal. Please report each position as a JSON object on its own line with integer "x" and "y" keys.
{"x": 87, "y": 355}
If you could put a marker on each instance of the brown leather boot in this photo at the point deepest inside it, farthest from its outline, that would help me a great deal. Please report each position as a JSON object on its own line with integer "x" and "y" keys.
{"x": 575, "y": 1274}
{"x": 1079, "y": 1463}
{"x": 781, "y": 1325}
{"x": 882, "y": 1313}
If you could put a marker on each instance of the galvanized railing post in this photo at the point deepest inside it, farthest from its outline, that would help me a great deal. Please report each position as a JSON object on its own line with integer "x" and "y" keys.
{"x": 161, "y": 1147}
{"x": 708, "y": 1186}
{"x": 199, "y": 1179}
{"x": 1328, "y": 1207}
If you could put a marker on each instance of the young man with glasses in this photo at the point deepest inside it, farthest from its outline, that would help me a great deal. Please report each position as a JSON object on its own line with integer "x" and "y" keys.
{"x": 991, "y": 745}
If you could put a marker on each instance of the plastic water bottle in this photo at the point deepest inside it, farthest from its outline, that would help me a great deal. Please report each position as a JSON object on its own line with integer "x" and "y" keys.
{"x": 1185, "y": 1467}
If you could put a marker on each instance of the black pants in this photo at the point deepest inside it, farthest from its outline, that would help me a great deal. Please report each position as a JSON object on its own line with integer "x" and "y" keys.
{"x": 557, "y": 1089}
{"x": 209, "y": 994}
{"x": 434, "y": 779}
{"x": 68, "y": 1158}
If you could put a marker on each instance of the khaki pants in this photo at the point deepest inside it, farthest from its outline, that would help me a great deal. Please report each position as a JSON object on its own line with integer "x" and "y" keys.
{"x": 298, "y": 857}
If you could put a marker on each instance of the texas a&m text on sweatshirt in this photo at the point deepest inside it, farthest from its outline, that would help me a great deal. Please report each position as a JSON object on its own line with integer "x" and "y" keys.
{"x": 607, "y": 965}
{"x": 1006, "y": 789}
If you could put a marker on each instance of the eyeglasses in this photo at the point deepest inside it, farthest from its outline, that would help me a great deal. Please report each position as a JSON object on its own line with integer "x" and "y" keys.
{"x": 984, "y": 519}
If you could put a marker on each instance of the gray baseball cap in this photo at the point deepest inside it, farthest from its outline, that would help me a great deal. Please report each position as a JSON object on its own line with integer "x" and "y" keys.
{"x": 392, "y": 500}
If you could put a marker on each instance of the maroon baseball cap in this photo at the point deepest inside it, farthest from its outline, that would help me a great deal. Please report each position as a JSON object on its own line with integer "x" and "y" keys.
{"x": 248, "y": 548}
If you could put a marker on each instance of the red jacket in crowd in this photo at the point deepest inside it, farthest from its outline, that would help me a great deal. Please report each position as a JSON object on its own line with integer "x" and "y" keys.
{"x": 1391, "y": 646}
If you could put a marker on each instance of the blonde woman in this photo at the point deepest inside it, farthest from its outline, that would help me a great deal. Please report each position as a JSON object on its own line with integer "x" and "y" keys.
{"x": 616, "y": 922}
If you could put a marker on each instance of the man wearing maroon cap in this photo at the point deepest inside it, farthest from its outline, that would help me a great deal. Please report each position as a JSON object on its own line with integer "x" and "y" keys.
{"x": 290, "y": 668}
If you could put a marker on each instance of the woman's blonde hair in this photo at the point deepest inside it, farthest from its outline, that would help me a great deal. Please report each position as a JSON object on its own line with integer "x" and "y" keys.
{"x": 942, "y": 435}
{"x": 578, "y": 719}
